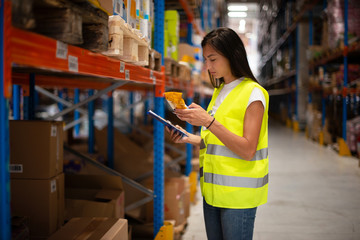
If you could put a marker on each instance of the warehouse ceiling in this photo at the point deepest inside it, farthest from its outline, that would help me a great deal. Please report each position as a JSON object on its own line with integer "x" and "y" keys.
{"x": 242, "y": 16}
{"x": 234, "y": 23}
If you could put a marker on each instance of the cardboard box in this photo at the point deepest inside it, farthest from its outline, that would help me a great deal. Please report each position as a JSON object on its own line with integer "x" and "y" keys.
{"x": 93, "y": 229}
{"x": 127, "y": 154}
{"x": 187, "y": 199}
{"x": 94, "y": 196}
{"x": 107, "y": 5}
{"x": 42, "y": 201}
{"x": 175, "y": 201}
{"x": 184, "y": 72}
{"x": 186, "y": 51}
{"x": 36, "y": 149}
{"x": 111, "y": 7}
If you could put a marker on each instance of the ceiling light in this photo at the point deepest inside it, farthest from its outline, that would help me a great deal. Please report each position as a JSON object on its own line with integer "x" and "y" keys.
{"x": 237, "y": 14}
{"x": 239, "y": 8}
{"x": 242, "y": 25}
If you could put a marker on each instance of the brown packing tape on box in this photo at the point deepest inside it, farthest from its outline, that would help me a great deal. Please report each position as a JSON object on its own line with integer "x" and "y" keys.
{"x": 93, "y": 229}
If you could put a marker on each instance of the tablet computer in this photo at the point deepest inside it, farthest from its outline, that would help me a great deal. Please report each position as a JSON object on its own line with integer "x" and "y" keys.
{"x": 167, "y": 123}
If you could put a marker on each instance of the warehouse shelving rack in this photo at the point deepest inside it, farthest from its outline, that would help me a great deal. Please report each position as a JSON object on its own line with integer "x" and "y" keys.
{"x": 344, "y": 53}
{"x": 33, "y": 60}
{"x": 291, "y": 75}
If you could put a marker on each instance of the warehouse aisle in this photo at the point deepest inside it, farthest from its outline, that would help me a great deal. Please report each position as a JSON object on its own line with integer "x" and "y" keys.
{"x": 314, "y": 194}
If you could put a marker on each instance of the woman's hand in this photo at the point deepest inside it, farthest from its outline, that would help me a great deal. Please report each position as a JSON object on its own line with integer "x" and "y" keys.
{"x": 176, "y": 137}
{"x": 195, "y": 115}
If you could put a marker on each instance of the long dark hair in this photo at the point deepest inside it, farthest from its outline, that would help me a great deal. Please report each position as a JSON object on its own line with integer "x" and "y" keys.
{"x": 228, "y": 43}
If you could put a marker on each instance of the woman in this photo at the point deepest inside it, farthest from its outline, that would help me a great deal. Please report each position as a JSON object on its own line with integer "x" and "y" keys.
{"x": 234, "y": 139}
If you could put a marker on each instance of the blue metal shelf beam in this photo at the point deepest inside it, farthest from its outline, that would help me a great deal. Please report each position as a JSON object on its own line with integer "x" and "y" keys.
{"x": 297, "y": 73}
{"x": 290, "y": 45}
{"x": 110, "y": 133}
{"x": 189, "y": 129}
{"x": 158, "y": 167}
{"x": 131, "y": 101}
{"x": 209, "y": 15}
{"x": 344, "y": 117}
{"x": 91, "y": 111}
{"x": 158, "y": 127}
{"x": 29, "y": 101}
{"x": 16, "y": 102}
{"x": 146, "y": 109}
{"x": 5, "y": 225}
{"x": 189, "y": 33}
{"x": 77, "y": 113}
{"x": 60, "y": 95}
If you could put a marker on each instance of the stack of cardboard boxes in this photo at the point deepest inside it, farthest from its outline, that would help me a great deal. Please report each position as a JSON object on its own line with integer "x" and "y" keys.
{"x": 94, "y": 196}
{"x": 36, "y": 171}
{"x": 38, "y": 192}
{"x": 94, "y": 208}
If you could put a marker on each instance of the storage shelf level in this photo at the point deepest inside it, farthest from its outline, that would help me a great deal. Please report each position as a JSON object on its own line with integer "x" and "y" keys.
{"x": 287, "y": 33}
{"x": 29, "y": 51}
{"x": 352, "y": 51}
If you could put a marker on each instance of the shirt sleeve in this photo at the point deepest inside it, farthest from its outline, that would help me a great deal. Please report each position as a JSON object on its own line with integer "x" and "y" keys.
{"x": 257, "y": 95}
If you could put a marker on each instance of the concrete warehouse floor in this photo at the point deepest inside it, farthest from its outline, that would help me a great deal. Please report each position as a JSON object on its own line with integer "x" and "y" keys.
{"x": 314, "y": 194}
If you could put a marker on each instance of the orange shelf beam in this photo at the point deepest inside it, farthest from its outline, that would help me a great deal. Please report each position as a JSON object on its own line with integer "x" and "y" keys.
{"x": 36, "y": 51}
{"x": 31, "y": 52}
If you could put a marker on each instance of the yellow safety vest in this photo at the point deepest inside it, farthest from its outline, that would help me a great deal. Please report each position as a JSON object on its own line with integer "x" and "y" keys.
{"x": 226, "y": 180}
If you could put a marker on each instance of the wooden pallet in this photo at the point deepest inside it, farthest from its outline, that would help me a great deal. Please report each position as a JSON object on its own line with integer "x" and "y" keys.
{"x": 126, "y": 43}
{"x": 184, "y": 73}
{"x": 154, "y": 60}
{"x": 77, "y": 23}
{"x": 171, "y": 67}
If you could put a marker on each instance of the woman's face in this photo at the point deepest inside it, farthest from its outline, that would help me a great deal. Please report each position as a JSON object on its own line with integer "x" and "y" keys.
{"x": 217, "y": 64}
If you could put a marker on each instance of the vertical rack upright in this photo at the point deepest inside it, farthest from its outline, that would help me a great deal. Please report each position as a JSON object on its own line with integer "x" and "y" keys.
{"x": 158, "y": 128}
{"x": 4, "y": 136}
{"x": 105, "y": 69}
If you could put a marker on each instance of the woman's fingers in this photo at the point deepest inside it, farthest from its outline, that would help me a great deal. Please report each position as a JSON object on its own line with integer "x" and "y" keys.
{"x": 178, "y": 127}
{"x": 167, "y": 129}
{"x": 174, "y": 135}
{"x": 194, "y": 105}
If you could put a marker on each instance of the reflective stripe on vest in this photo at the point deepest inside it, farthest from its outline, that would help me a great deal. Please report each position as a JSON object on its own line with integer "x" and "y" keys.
{"x": 223, "y": 151}
{"x": 232, "y": 181}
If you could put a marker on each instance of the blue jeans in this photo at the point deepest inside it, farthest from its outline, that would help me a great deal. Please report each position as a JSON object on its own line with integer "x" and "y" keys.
{"x": 229, "y": 224}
